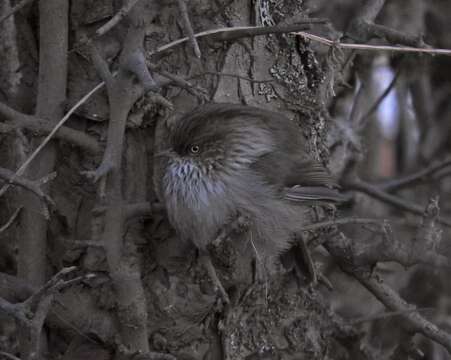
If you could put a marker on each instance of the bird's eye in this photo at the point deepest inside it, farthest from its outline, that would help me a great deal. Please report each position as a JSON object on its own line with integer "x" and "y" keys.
{"x": 194, "y": 149}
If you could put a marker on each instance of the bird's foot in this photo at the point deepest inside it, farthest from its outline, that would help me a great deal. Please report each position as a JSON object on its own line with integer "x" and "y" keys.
{"x": 206, "y": 261}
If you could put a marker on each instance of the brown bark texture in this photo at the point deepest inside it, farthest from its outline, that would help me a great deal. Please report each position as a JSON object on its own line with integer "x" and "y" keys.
{"x": 90, "y": 267}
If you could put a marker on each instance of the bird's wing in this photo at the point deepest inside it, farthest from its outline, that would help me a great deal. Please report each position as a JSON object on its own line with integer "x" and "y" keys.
{"x": 298, "y": 179}
{"x": 307, "y": 172}
{"x": 307, "y": 194}
{"x": 283, "y": 169}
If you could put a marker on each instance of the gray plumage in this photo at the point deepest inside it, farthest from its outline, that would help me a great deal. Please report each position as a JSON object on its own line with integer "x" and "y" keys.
{"x": 224, "y": 159}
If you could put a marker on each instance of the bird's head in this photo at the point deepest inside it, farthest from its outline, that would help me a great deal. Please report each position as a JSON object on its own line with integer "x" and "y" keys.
{"x": 214, "y": 142}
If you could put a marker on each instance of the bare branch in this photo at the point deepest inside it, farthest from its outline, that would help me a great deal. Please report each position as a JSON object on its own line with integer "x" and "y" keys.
{"x": 135, "y": 62}
{"x": 8, "y": 356}
{"x": 415, "y": 178}
{"x": 370, "y": 10}
{"x": 105, "y": 167}
{"x": 234, "y": 76}
{"x": 33, "y": 123}
{"x": 26, "y": 310}
{"x": 386, "y": 315}
{"x": 365, "y": 47}
{"x": 10, "y": 220}
{"x": 393, "y": 36}
{"x": 32, "y": 185}
{"x": 412, "y": 319}
{"x": 189, "y": 28}
{"x": 363, "y": 121}
{"x": 123, "y": 11}
{"x": 184, "y": 84}
{"x": 343, "y": 221}
{"x": 375, "y": 192}
{"x": 15, "y": 9}
{"x": 24, "y": 166}
{"x": 100, "y": 64}
{"x": 349, "y": 260}
{"x": 233, "y": 33}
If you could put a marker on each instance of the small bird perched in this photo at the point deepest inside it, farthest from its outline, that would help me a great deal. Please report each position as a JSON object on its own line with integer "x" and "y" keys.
{"x": 225, "y": 159}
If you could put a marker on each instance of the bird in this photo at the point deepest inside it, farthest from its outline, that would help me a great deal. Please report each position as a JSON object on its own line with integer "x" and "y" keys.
{"x": 224, "y": 159}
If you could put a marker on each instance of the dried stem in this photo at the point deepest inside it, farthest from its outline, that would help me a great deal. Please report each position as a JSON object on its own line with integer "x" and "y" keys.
{"x": 366, "y": 47}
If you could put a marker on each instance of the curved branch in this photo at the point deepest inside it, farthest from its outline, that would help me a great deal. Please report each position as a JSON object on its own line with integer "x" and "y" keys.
{"x": 34, "y": 123}
{"x": 396, "y": 201}
{"x": 412, "y": 179}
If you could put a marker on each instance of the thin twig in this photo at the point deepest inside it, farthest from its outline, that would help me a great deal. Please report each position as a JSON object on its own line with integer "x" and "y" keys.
{"x": 100, "y": 64}
{"x": 189, "y": 28}
{"x": 369, "y": 10}
{"x": 41, "y": 126}
{"x": 23, "y": 167}
{"x": 396, "y": 201}
{"x": 236, "y": 32}
{"x": 386, "y": 315}
{"x": 351, "y": 262}
{"x": 366, "y": 47}
{"x": 143, "y": 209}
{"x": 8, "y": 356}
{"x": 116, "y": 19}
{"x": 11, "y": 220}
{"x": 343, "y": 221}
{"x": 408, "y": 180}
{"x": 15, "y": 9}
{"x": 364, "y": 119}
{"x": 31, "y": 185}
{"x": 387, "y": 296}
{"x": 124, "y": 10}
{"x": 234, "y": 76}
